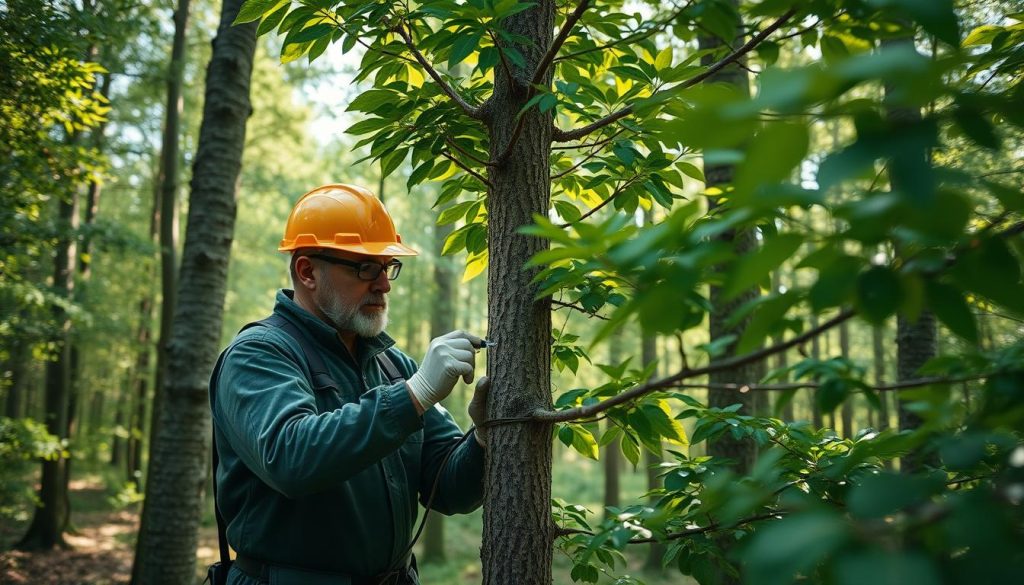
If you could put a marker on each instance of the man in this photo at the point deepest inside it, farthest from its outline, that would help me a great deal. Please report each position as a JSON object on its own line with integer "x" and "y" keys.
{"x": 319, "y": 476}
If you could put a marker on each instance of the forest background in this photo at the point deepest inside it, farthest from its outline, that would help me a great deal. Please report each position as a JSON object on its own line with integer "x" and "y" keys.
{"x": 95, "y": 199}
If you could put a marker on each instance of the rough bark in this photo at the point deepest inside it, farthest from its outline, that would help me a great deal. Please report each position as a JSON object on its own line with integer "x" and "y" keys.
{"x": 517, "y": 531}
{"x": 167, "y": 187}
{"x": 878, "y": 351}
{"x": 743, "y": 452}
{"x": 166, "y": 549}
{"x": 656, "y": 551}
{"x": 442, "y": 320}
{"x": 847, "y": 409}
{"x": 816, "y": 356}
{"x": 612, "y": 456}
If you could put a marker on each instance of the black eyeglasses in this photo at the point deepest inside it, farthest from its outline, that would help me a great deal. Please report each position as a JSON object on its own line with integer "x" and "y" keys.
{"x": 364, "y": 270}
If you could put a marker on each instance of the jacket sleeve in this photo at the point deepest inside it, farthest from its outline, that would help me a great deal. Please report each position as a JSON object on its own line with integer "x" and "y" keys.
{"x": 267, "y": 410}
{"x": 460, "y": 486}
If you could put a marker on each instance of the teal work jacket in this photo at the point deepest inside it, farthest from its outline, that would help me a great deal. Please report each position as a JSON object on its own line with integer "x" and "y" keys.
{"x": 329, "y": 480}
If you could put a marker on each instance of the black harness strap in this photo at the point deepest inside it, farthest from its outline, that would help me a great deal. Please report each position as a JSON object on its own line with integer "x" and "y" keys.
{"x": 320, "y": 379}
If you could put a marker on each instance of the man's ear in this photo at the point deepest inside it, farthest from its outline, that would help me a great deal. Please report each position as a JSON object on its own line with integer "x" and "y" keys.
{"x": 305, "y": 273}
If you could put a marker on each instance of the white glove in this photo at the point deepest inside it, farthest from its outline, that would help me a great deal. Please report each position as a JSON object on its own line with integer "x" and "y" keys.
{"x": 478, "y": 409}
{"x": 448, "y": 357}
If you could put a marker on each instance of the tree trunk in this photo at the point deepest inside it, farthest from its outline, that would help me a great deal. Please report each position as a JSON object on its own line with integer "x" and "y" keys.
{"x": 442, "y": 320}
{"x": 167, "y": 193}
{"x": 847, "y": 409}
{"x": 782, "y": 358}
{"x": 878, "y": 351}
{"x": 137, "y": 420}
{"x": 816, "y": 356}
{"x": 45, "y": 531}
{"x": 517, "y": 532}
{"x": 743, "y": 452}
{"x": 612, "y": 454}
{"x": 21, "y": 362}
{"x": 178, "y": 467}
{"x": 649, "y": 353}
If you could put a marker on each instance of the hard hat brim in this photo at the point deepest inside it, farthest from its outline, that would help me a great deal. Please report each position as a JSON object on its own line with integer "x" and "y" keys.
{"x": 368, "y": 248}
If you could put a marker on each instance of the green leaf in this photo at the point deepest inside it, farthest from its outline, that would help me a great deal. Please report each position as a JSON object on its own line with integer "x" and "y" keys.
{"x": 879, "y": 294}
{"x": 371, "y": 99}
{"x": 887, "y": 492}
{"x": 253, "y": 9}
{"x": 782, "y": 549}
{"x": 831, "y": 394}
{"x": 991, "y": 270}
{"x": 309, "y": 34}
{"x": 950, "y": 307}
{"x": 751, "y": 269}
{"x": 879, "y": 567}
{"x": 935, "y": 16}
{"x": 771, "y": 156}
{"x": 273, "y": 19}
{"x": 767, "y": 315}
{"x": 463, "y": 47}
{"x": 630, "y": 449}
{"x": 835, "y": 284}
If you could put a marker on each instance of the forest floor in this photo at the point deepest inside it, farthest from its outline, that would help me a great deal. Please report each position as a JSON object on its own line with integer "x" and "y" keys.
{"x": 100, "y": 546}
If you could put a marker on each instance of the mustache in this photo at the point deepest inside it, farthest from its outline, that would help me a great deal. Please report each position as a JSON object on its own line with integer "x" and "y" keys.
{"x": 374, "y": 299}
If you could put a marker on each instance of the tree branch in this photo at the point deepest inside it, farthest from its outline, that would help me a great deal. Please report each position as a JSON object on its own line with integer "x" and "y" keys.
{"x": 636, "y": 36}
{"x": 475, "y": 174}
{"x": 563, "y": 34}
{"x": 681, "y": 534}
{"x": 471, "y": 111}
{"x": 618, "y": 191}
{"x": 451, "y": 142}
{"x": 577, "y": 308}
{"x": 553, "y": 416}
{"x": 576, "y": 134}
{"x": 915, "y": 383}
{"x": 596, "y": 149}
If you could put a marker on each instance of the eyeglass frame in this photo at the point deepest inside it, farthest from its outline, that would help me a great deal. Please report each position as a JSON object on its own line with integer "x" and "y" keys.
{"x": 361, "y": 266}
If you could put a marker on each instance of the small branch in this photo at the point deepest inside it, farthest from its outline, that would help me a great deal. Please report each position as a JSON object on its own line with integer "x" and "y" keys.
{"x": 578, "y": 308}
{"x": 451, "y": 142}
{"x": 682, "y": 534}
{"x": 618, "y": 191}
{"x": 576, "y": 134}
{"x": 475, "y": 174}
{"x": 596, "y": 149}
{"x": 471, "y": 111}
{"x": 586, "y": 145}
{"x": 915, "y": 383}
{"x": 553, "y": 416}
{"x": 636, "y": 36}
{"x": 501, "y": 55}
{"x": 563, "y": 34}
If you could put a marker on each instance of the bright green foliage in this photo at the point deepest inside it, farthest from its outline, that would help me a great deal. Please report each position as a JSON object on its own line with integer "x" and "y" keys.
{"x": 48, "y": 100}
{"x": 23, "y": 442}
{"x": 912, "y": 227}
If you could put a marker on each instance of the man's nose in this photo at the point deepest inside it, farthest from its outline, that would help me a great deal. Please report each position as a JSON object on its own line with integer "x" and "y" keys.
{"x": 381, "y": 284}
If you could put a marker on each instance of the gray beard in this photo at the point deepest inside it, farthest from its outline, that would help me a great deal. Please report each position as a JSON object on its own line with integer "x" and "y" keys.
{"x": 350, "y": 318}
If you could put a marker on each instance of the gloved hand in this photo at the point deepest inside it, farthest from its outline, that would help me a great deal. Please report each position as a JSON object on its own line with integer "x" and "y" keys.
{"x": 478, "y": 409}
{"x": 448, "y": 357}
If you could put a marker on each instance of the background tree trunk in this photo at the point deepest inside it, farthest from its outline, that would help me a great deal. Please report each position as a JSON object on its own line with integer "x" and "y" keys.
{"x": 612, "y": 454}
{"x": 743, "y": 452}
{"x": 167, "y": 195}
{"x": 442, "y": 320}
{"x": 178, "y": 469}
{"x": 517, "y": 532}
{"x": 45, "y": 531}
{"x": 846, "y": 411}
{"x": 656, "y": 551}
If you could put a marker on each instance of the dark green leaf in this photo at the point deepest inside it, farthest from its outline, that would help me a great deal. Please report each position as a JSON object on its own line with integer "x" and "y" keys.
{"x": 949, "y": 306}
{"x": 752, "y": 268}
{"x": 253, "y": 9}
{"x": 887, "y": 492}
{"x": 879, "y": 294}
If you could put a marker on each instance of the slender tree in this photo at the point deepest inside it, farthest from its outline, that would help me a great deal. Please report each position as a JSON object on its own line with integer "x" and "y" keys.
{"x": 165, "y": 552}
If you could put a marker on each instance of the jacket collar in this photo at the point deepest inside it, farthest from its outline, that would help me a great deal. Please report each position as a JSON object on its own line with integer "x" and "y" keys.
{"x": 366, "y": 347}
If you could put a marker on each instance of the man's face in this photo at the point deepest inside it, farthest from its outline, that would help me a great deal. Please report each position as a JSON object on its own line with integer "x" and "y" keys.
{"x": 349, "y": 302}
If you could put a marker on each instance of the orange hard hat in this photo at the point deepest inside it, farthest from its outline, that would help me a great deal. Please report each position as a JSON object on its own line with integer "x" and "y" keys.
{"x": 343, "y": 217}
